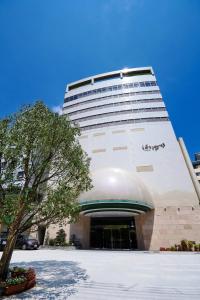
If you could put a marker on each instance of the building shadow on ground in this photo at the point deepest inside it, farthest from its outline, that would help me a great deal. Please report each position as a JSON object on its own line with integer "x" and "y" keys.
{"x": 55, "y": 279}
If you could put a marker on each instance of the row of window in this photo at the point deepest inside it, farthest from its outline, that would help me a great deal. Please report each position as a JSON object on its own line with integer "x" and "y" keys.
{"x": 119, "y": 148}
{"x": 112, "y": 88}
{"x": 122, "y": 112}
{"x": 156, "y": 92}
{"x": 113, "y": 105}
{"x": 123, "y": 122}
{"x": 109, "y": 77}
{"x": 120, "y": 131}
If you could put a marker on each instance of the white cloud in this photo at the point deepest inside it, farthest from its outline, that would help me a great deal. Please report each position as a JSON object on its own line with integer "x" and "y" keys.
{"x": 57, "y": 109}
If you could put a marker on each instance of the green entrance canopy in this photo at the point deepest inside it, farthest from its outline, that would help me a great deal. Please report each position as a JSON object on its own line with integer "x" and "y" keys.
{"x": 137, "y": 207}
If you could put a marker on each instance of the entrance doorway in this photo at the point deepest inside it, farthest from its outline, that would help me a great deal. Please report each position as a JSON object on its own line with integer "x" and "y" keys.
{"x": 113, "y": 233}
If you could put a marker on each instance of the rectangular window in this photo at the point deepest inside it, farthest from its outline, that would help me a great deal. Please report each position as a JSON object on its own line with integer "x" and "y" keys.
{"x": 146, "y": 168}
{"x": 118, "y": 131}
{"x": 99, "y": 134}
{"x": 137, "y": 129}
{"x": 120, "y": 148}
{"x": 98, "y": 150}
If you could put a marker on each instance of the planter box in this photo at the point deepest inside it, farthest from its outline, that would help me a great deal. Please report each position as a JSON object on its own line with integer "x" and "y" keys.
{"x": 14, "y": 289}
{"x": 30, "y": 284}
{"x": 30, "y": 275}
{"x": 18, "y": 288}
{"x": 17, "y": 274}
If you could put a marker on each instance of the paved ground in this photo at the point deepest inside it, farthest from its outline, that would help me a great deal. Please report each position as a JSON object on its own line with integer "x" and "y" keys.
{"x": 106, "y": 275}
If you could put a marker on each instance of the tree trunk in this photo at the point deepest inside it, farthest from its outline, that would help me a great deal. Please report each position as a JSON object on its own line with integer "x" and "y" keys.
{"x": 6, "y": 256}
{"x": 10, "y": 245}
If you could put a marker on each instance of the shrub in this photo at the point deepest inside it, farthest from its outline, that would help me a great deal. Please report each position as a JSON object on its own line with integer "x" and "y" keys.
{"x": 52, "y": 242}
{"x": 173, "y": 248}
{"x": 60, "y": 237}
{"x": 59, "y": 240}
{"x": 16, "y": 280}
{"x": 184, "y": 245}
{"x": 191, "y": 245}
{"x": 18, "y": 270}
{"x": 179, "y": 248}
{"x": 162, "y": 249}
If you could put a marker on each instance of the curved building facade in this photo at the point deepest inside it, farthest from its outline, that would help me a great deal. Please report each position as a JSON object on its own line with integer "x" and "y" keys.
{"x": 142, "y": 188}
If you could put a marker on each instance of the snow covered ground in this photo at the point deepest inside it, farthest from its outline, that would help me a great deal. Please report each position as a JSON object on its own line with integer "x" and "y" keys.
{"x": 109, "y": 275}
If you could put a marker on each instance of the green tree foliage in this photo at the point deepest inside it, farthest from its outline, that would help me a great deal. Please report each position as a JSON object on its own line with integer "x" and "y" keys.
{"x": 56, "y": 170}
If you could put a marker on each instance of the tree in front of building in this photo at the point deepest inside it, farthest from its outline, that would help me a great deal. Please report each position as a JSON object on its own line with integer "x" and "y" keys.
{"x": 42, "y": 147}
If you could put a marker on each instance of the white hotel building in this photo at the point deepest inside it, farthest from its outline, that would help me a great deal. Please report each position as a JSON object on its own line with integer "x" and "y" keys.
{"x": 144, "y": 193}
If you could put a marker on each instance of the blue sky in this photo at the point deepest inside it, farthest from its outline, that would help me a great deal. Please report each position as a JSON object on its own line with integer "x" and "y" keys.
{"x": 44, "y": 44}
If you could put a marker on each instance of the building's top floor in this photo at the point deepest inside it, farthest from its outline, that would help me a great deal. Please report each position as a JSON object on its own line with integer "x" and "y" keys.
{"x": 126, "y": 72}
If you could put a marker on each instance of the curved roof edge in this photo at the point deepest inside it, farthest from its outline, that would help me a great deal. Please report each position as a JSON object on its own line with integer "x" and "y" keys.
{"x": 87, "y": 207}
{"x": 107, "y": 74}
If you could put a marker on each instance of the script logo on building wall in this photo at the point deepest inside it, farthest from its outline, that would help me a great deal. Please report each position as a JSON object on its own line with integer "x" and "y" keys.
{"x": 153, "y": 148}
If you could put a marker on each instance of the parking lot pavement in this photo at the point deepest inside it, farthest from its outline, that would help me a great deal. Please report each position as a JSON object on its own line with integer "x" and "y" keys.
{"x": 109, "y": 275}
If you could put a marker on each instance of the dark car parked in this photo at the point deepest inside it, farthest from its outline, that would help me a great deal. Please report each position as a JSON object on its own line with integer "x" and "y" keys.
{"x": 23, "y": 242}
{"x": 3, "y": 239}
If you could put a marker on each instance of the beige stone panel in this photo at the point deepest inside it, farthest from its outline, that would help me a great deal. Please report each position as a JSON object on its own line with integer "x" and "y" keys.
{"x": 139, "y": 232}
{"x": 81, "y": 230}
{"x": 145, "y": 229}
{"x": 173, "y": 225}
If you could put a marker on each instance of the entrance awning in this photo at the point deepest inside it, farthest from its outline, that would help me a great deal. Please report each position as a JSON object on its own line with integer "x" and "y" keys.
{"x": 136, "y": 207}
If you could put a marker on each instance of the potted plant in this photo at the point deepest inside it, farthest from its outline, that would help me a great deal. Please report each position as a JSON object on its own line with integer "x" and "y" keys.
{"x": 17, "y": 271}
{"x": 14, "y": 285}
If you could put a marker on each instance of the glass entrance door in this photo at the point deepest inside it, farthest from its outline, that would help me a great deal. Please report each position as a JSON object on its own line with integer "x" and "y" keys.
{"x": 113, "y": 233}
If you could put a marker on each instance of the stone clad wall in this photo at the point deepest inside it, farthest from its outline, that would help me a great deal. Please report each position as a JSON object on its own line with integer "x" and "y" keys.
{"x": 166, "y": 226}
{"x": 81, "y": 230}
